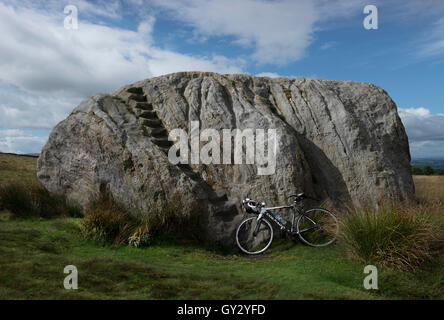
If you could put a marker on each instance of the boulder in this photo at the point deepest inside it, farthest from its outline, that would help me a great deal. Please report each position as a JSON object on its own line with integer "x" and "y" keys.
{"x": 337, "y": 140}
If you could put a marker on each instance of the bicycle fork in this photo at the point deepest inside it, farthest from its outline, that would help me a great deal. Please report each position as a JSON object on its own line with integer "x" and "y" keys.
{"x": 258, "y": 223}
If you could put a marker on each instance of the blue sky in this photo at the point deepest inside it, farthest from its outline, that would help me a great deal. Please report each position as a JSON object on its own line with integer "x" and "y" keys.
{"x": 46, "y": 69}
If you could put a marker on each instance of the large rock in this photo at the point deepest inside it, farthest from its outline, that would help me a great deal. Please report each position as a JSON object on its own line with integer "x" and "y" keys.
{"x": 336, "y": 139}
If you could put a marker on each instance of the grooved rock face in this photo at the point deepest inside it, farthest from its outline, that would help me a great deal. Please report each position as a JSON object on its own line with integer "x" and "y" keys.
{"x": 335, "y": 139}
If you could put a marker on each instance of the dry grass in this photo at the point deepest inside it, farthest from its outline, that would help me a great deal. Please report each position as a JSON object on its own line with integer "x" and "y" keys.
{"x": 107, "y": 221}
{"x": 15, "y": 168}
{"x": 429, "y": 188}
{"x": 31, "y": 200}
{"x": 174, "y": 217}
{"x": 402, "y": 235}
{"x": 17, "y": 162}
{"x": 396, "y": 234}
{"x": 110, "y": 222}
{"x": 22, "y": 194}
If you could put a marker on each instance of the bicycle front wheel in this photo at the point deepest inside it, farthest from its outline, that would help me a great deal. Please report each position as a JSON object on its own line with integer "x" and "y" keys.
{"x": 317, "y": 227}
{"x": 254, "y": 237}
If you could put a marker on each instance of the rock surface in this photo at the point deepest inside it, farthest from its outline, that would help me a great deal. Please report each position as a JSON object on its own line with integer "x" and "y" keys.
{"x": 336, "y": 139}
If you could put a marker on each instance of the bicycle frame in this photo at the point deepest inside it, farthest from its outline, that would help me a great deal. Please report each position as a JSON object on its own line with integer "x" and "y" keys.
{"x": 265, "y": 213}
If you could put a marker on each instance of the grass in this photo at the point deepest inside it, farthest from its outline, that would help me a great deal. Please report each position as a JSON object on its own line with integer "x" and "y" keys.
{"x": 14, "y": 168}
{"x": 109, "y": 222}
{"x": 404, "y": 236}
{"x": 34, "y": 251}
{"x": 23, "y": 195}
{"x": 429, "y": 189}
{"x": 33, "y": 254}
{"x": 398, "y": 235}
{"x": 33, "y": 200}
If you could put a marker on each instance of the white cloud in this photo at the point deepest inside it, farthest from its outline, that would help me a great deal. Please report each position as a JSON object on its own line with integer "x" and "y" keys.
{"x": 425, "y": 131}
{"x": 415, "y": 112}
{"x": 433, "y": 43}
{"x": 427, "y": 149}
{"x": 19, "y": 141}
{"x": 279, "y": 31}
{"x": 408, "y": 10}
{"x": 328, "y": 45}
{"x": 22, "y": 109}
{"x": 46, "y": 70}
{"x": 422, "y": 125}
{"x": 38, "y": 54}
{"x": 101, "y": 8}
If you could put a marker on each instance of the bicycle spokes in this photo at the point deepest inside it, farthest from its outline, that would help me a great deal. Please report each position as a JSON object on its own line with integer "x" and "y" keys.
{"x": 317, "y": 227}
{"x": 252, "y": 237}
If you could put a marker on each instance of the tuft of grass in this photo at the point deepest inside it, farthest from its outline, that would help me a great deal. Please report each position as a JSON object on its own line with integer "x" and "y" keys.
{"x": 107, "y": 221}
{"x": 173, "y": 219}
{"x": 110, "y": 222}
{"x": 33, "y": 200}
{"x": 398, "y": 235}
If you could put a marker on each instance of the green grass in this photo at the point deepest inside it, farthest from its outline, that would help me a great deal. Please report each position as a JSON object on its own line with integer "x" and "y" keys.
{"x": 15, "y": 168}
{"x": 403, "y": 236}
{"x": 34, "y": 252}
{"x": 24, "y": 200}
{"x": 110, "y": 222}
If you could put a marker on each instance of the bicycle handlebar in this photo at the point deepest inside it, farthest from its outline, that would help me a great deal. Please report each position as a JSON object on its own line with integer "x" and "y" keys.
{"x": 252, "y": 206}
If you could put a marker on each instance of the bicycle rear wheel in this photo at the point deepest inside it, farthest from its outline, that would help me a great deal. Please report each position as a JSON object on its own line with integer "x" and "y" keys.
{"x": 317, "y": 227}
{"x": 254, "y": 238}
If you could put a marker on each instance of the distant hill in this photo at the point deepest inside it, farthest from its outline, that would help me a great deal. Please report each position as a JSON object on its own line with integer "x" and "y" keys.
{"x": 34, "y": 155}
{"x": 436, "y": 164}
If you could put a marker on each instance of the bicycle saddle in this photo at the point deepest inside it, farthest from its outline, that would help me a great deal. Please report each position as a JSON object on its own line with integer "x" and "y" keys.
{"x": 298, "y": 197}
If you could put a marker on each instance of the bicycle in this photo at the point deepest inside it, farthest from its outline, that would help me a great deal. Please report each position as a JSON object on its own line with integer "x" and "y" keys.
{"x": 316, "y": 227}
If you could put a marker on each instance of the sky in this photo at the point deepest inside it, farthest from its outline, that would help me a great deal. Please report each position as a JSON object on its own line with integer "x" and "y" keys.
{"x": 48, "y": 65}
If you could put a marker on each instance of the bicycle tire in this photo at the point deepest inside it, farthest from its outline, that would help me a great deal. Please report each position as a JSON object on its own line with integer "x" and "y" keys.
{"x": 323, "y": 228}
{"x": 250, "y": 229}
